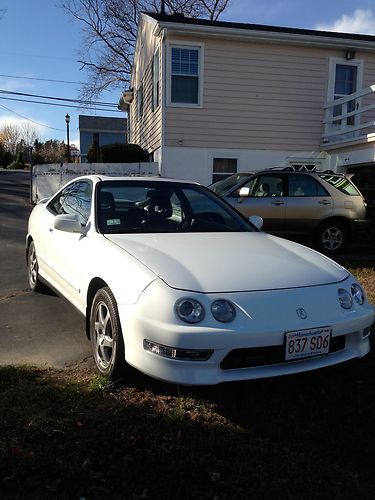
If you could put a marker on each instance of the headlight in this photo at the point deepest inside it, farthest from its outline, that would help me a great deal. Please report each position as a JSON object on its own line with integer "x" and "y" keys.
{"x": 223, "y": 311}
{"x": 189, "y": 310}
{"x": 346, "y": 300}
{"x": 358, "y": 294}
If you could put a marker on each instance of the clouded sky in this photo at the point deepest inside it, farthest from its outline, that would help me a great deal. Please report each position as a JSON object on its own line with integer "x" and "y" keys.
{"x": 40, "y": 42}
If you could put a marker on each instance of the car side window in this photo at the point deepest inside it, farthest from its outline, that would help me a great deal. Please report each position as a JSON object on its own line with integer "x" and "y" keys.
{"x": 305, "y": 185}
{"x": 74, "y": 199}
{"x": 265, "y": 185}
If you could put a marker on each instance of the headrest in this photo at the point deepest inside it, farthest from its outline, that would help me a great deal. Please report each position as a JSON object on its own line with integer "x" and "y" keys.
{"x": 107, "y": 201}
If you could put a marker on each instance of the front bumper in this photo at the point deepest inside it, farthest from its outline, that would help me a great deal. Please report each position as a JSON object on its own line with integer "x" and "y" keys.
{"x": 262, "y": 320}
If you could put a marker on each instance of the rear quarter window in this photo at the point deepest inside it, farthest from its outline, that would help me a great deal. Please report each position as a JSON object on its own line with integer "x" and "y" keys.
{"x": 342, "y": 184}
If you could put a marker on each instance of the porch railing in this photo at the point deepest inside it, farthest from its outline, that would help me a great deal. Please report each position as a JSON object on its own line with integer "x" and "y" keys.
{"x": 343, "y": 117}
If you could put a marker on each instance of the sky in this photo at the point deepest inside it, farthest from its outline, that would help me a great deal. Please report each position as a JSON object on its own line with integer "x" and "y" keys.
{"x": 40, "y": 42}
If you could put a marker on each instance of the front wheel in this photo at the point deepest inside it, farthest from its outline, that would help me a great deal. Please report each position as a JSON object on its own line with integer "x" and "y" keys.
{"x": 106, "y": 335}
{"x": 332, "y": 237}
{"x": 33, "y": 269}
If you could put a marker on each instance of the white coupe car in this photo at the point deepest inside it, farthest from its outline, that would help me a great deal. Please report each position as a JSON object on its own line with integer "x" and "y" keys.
{"x": 176, "y": 283}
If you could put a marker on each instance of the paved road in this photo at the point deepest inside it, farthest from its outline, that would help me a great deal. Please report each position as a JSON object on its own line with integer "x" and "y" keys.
{"x": 38, "y": 329}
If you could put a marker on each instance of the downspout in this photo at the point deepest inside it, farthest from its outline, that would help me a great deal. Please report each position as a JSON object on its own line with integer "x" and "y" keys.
{"x": 163, "y": 98}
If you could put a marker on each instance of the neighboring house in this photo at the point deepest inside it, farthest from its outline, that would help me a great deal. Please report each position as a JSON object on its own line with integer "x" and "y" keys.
{"x": 100, "y": 130}
{"x": 209, "y": 98}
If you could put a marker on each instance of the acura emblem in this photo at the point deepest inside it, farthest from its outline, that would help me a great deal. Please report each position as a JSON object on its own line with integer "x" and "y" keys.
{"x": 301, "y": 313}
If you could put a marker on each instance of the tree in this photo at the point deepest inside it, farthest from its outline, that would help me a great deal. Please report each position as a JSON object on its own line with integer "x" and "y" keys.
{"x": 51, "y": 151}
{"x": 10, "y": 135}
{"x": 110, "y": 30}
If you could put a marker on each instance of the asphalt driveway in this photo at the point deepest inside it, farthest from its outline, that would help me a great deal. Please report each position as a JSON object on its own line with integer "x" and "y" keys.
{"x": 38, "y": 329}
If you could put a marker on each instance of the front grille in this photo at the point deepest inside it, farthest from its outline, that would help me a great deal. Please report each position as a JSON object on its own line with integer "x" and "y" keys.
{"x": 271, "y": 355}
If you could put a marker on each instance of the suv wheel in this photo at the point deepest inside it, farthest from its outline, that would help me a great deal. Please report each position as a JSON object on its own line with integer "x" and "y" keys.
{"x": 332, "y": 237}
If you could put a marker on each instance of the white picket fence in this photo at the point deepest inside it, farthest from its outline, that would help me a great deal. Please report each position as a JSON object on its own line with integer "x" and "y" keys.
{"x": 47, "y": 179}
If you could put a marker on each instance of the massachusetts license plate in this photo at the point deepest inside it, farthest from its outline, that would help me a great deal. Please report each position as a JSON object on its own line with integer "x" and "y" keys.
{"x": 307, "y": 343}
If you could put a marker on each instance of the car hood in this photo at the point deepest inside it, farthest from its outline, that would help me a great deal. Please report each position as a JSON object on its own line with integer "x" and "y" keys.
{"x": 230, "y": 262}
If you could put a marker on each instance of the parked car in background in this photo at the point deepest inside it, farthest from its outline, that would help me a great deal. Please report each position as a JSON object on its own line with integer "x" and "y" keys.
{"x": 176, "y": 283}
{"x": 325, "y": 205}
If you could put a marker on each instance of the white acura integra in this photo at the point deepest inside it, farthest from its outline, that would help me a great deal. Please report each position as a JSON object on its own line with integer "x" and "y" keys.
{"x": 176, "y": 283}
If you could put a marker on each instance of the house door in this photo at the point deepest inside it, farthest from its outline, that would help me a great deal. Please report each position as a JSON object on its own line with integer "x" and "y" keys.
{"x": 345, "y": 79}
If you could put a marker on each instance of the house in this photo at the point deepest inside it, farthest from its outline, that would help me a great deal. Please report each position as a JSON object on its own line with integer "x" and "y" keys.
{"x": 209, "y": 98}
{"x": 100, "y": 130}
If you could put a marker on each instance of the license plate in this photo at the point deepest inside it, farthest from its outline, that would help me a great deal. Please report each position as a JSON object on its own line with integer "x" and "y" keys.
{"x": 307, "y": 343}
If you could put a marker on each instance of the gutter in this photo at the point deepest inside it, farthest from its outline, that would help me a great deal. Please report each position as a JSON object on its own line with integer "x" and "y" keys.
{"x": 265, "y": 36}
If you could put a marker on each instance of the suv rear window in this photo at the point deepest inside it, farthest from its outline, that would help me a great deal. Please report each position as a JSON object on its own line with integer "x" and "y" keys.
{"x": 342, "y": 184}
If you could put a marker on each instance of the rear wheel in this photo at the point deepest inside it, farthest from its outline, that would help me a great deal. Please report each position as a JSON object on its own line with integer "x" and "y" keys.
{"x": 33, "y": 269}
{"x": 332, "y": 237}
{"x": 106, "y": 335}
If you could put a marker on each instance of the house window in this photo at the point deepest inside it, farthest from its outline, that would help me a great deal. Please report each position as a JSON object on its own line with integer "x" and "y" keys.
{"x": 223, "y": 167}
{"x": 155, "y": 81}
{"x": 185, "y": 75}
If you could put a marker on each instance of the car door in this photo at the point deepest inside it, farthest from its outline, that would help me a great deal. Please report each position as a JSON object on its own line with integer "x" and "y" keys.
{"x": 265, "y": 197}
{"x": 308, "y": 203}
{"x": 68, "y": 251}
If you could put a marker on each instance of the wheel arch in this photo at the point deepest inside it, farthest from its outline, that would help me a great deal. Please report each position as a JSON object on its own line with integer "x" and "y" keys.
{"x": 332, "y": 219}
{"x": 95, "y": 285}
{"x": 29, "y": 239}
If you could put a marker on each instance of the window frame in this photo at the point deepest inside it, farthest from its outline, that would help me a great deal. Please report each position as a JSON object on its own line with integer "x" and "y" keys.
{"x": 223, "y": 175}
{"x": 184, "y": 45}
{"x": 333, "y": 63}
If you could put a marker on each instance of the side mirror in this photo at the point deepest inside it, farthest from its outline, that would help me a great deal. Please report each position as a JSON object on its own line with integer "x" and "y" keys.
{"x": 68, "y": 223}
{"x": 256, "y": 221}
{"x": 244, "y": 191}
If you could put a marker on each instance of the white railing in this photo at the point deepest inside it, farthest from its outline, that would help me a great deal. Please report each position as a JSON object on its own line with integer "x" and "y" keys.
{"x": 342, "y": 119}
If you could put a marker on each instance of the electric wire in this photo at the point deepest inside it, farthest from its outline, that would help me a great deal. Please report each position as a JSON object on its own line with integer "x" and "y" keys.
{"x": 59, "y": 105}
{"x": 40, "y": 79}
{"x": 30, "y": 120}
{"x": 79, "y": 101}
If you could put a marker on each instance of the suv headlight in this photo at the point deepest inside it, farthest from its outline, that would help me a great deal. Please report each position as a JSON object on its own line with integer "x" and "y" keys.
{"x": 346, "y": 300}
{"x": 358, "y": 294}
{"x": 189, "y": 310}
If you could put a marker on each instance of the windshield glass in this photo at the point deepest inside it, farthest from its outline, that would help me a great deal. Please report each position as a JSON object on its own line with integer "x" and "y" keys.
{"x": 163, "y": 207}
{"x": 221, "y": 187}
{"x": 343, "y": 184}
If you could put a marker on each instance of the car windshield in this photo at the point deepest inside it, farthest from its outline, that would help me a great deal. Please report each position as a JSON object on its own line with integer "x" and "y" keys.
{"x": 343, "y": 184}
{"x": 221, "y": 187}
{"x": 132, "y": 206}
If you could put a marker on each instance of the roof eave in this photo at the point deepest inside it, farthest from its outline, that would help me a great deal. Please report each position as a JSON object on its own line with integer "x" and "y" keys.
{"x": 174, "y": 29}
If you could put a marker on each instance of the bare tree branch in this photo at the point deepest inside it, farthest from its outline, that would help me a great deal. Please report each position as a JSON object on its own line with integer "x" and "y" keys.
{"x": 110, "y": 31}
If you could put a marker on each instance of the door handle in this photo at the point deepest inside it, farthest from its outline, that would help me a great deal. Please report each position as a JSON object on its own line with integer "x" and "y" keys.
{"x": 277, "y": 202}
{"x": 324, "y": 202}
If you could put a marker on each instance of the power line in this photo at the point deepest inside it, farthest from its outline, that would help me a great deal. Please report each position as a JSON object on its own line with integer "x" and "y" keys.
{"x": 36, "y": 55}
{"x": 30, "y": 120}
{"x": 40, "y": 79}
{"x": 79, "y": 101}
{"x": 57, "y": 104}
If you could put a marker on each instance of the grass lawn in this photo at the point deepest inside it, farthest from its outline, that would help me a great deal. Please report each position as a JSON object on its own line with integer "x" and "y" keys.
{"x": 70, "y": 434}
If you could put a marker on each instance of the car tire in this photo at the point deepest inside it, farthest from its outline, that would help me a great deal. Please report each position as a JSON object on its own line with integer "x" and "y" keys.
{"x": 33, "y": 269}
{"x": 332, "y": 237}
{"x": 106, "y": 336}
